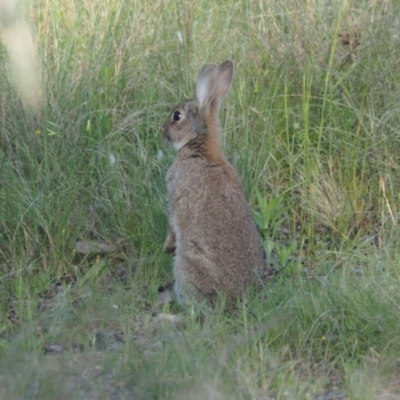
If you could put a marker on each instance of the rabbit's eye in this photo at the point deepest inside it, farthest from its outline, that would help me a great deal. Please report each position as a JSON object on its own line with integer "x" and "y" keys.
{"x": 177, "y": 116}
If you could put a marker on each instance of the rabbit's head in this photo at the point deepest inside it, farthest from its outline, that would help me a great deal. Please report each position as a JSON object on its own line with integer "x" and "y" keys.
{"x": 195, "y": 122}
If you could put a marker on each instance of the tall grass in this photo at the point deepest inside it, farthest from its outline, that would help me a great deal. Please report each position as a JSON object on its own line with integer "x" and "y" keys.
{"x": 313, "y": 118}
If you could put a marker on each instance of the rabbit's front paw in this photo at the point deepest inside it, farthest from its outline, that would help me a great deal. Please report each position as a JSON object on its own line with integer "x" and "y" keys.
{"x": 170, "y": 245}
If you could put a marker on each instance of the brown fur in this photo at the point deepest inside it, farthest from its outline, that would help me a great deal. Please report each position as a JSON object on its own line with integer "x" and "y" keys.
{"x": 216, "y": 243}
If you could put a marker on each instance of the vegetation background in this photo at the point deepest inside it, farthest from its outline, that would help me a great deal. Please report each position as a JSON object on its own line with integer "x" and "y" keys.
{"x": 312, "y": 125}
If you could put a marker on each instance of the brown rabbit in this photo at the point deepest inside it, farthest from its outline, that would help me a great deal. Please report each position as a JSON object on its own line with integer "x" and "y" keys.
{"x": 216, "y": 243}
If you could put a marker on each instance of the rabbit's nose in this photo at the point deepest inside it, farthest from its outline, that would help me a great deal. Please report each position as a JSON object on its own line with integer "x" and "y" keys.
{"x": 164, "y": 131}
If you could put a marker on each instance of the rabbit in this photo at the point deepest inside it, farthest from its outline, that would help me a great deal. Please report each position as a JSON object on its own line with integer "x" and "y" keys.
{"x": 216, "y": 245}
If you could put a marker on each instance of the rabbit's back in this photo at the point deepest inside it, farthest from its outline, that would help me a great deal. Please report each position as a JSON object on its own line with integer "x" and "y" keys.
{"x": 217, "y": 243}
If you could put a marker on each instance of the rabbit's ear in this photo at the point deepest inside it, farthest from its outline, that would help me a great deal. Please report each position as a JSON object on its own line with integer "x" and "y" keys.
{"x": 207, "y": 84}
{"x": 224, "y": 82}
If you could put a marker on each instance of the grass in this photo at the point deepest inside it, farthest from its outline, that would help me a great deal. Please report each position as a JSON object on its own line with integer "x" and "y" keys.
{"x": 312, "y": 127}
